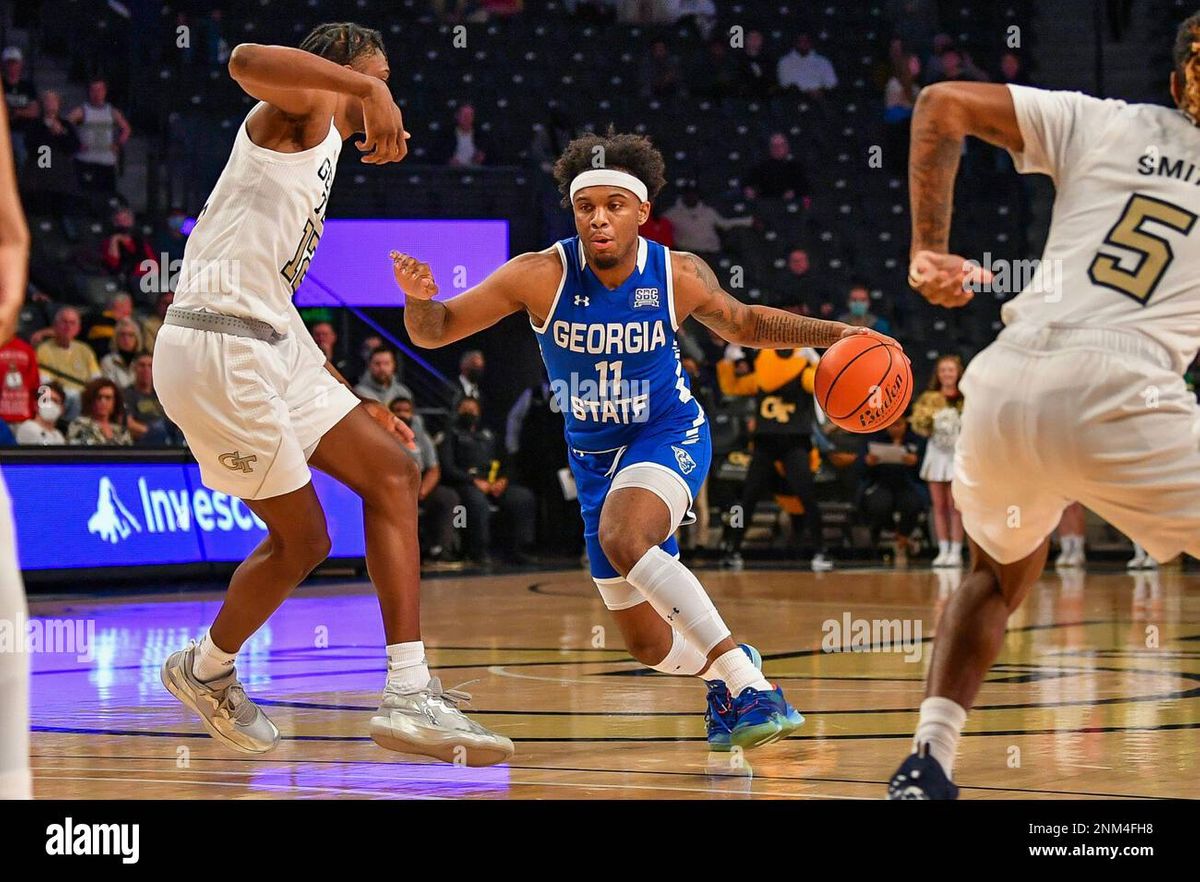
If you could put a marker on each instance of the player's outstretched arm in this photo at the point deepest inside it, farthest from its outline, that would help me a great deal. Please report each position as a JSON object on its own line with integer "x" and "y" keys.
{"x": 433, "y": 323}
{"x": 699, "y": 294}
{"x": 945, "y": 114}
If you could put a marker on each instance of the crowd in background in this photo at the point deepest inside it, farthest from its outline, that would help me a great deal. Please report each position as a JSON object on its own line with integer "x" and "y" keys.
{"x": 81, "y": 371}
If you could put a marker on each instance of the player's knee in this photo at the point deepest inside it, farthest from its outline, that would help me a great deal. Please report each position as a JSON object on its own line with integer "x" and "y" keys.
{"x": 303, "y": 550}
{"x": 646, "y": 648}
{"x": 623, "y": 545}
{"x": 396, "y": 484}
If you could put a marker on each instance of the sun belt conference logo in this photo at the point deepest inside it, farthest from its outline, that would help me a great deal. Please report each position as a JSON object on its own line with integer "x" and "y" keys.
{"x": 686, "y": 463}
{"x": 645, "y": 297}
{"x": 112, "y": 522}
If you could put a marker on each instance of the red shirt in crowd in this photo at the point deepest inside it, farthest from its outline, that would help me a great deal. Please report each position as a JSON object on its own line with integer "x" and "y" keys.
{"x": 659, "y": 229}
{"x": 18, "y": 393}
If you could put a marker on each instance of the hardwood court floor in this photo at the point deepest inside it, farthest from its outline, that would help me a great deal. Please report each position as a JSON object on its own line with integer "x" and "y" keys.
{"x": 1097, "y": 694}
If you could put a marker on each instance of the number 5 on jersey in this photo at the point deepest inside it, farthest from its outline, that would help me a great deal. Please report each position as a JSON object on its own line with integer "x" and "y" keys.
{"x": 1153, "y": 251}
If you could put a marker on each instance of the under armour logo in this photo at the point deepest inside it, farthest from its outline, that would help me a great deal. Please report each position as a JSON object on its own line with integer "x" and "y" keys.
{"x": 236, "y": 462}
{"x": 580, "y": 300}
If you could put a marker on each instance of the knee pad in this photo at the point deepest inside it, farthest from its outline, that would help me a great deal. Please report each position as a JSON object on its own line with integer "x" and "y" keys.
{"x": 618, "y": 594}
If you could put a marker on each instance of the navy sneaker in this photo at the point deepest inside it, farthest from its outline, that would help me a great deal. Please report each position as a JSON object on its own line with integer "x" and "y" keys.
{"x": 921, "y": 777}
{"x": 719, "y": 717}
{"x": 762, "y": 716}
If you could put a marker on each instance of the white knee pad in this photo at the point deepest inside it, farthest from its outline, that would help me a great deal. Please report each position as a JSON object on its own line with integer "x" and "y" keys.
{"x": 683, "y": 659}
{"x": 664, "y": 484}
{"x": 618, "y": 594}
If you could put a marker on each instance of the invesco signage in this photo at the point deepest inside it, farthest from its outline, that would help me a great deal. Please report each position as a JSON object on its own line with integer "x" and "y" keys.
{"x": 83, "y": 515}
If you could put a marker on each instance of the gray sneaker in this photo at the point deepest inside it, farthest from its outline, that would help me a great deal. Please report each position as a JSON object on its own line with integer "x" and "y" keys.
{"x": 226, "y": 712}
{"x": 429, "y": 722}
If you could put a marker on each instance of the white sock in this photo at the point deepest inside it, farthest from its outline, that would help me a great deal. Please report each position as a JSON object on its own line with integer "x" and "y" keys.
{"x": 943, "y": 547}
{"x": 940, "y": 726}
{"x": 956, "y": 551}
{"x": 683, "y": 658}
{"x": 678, "y": 597}
{"x": 407, "y": 670}
{"x": 738, "y": 672}
{"x": 210, "y": 661}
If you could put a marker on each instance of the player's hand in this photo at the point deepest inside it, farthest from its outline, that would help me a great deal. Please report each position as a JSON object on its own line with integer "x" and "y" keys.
{"x": 394, "y": 425}
{"x": 944, "y": 279}
{"x": 413, "y": 277}
{"x": 384, "y": 138}
{"x": 856, "y": 331}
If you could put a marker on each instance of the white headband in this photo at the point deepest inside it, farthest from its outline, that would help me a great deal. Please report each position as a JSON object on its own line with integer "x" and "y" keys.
{"x": 595, "y": 177}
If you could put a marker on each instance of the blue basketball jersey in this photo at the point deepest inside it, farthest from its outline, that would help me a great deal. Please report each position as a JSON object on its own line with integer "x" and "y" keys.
{"x": 612, "y": 356}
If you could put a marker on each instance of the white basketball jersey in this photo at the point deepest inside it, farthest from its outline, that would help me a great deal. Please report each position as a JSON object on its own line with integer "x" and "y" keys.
{"x": 256, "y": 236}
{"x": 1124, "y": 244}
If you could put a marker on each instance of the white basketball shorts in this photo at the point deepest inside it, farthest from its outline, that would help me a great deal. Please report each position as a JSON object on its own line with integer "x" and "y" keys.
{"x": 1054, "y": 415}
{"x": 252, "y": 411}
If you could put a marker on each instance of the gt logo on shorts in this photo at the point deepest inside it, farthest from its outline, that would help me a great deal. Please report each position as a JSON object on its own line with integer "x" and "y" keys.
{"x": 235, "y": 462}
{"x": 686, "y": 463}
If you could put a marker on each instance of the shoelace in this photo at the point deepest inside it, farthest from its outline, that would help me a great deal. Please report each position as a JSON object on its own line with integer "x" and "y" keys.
{"x": 233, "y": 702}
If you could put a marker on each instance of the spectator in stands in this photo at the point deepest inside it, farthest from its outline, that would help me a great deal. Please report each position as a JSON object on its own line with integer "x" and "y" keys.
{"x": 700, "y": 15}
{"x": 715, "y": 75}
{"x": 101, "y": 328}
{"x": 471, "y": 367}
{"x": 145, "y": 417}
{"x": 456, "y": 11}
{"x": 473, "y": 465}
{"x": 658, "y": 228}
{"x": 43, "y": 428}
{"x": 102, "y": 421}
{"x": 891, "y": 494}
{"x": 103, "y": 130}
{"x": 662, "y": 76}
{"x": 806, "y": 69}
{"x": 153, "y": 324}
{"x": 52, "y": 143}
{"x": 756, "y": 73}
{"x": 380, "y": 382}
{"x": 21, "y": 100}
{"x": 436, "y": 500}
{"x": 465, "y": 145}
{"x": 117, "y": 364}
{"x": 954, "y": 64}
{"x": 696, "y": 224}
{"x": 64, "y": 358}
{"x": 799, "y": 284}
{"x": 326, "y": 339}
{"x": 503, "y": 8}
{"x": 937, "y": 415}
{"x": 899, "y": 98}
{"x": 858, "y": 310}
{"x": 779, "y": 175}
{"x": 1012, "y": 70}
{"x": 18, "y": 364}
{"x": 127, "y": 254}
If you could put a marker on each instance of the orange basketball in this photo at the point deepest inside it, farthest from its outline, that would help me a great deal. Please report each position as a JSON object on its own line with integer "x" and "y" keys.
{"x": 863, "y": 383}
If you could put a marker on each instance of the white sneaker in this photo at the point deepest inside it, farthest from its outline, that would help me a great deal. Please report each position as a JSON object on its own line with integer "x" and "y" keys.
{"x": 821, "y": 563}
{"x": 429, "y": 722}
{"x": 1141, "y": 560}
{"x": 1078, "y": 558}
{"x": 945, "y": 559}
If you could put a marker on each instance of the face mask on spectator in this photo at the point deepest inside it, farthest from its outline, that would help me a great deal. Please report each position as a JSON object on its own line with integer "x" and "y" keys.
{"x": 49, "y": 410}
{"x": 858, "y": 308}
{"x": 467, "y": 420}
{"x": 473, "y": 374}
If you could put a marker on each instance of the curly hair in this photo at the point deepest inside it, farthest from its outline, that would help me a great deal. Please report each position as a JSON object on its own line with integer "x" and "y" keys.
{"x": 625, "y": 152}
{"x": 87, "y": 404}
{"x": 1187, "y": 65}
{"x": 342, "y": 41}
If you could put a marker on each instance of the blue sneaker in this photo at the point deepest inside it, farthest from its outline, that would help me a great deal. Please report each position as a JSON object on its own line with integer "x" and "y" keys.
{"x": 762, "y": 716}
{"x": 921, "y": 777}
{"x": 719, "y": 717}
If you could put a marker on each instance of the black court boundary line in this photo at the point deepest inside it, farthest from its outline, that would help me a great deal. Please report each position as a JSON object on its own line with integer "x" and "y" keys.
{"x": 663, "y": 772}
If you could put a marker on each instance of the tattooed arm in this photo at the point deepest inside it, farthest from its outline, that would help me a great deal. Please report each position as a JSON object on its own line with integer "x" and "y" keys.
{"x": 945, "y": 114}
{"x": 699, "y": 294}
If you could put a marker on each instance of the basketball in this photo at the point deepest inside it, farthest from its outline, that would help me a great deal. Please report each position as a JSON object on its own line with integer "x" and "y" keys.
{"x": 863, "y": 383}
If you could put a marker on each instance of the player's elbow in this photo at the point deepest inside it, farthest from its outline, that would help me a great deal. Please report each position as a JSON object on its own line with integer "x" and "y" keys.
{"x": 941, "y": 102}
{"x": 241, "y": 59}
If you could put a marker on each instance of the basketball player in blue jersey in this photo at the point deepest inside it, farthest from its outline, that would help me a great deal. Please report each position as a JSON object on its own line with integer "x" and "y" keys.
{"x": 605, "y": 306}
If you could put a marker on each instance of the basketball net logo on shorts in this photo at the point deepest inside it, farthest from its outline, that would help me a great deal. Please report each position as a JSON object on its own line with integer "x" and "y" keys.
{"x": 686, "y": 463}
{"x": 235, "y": 462}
